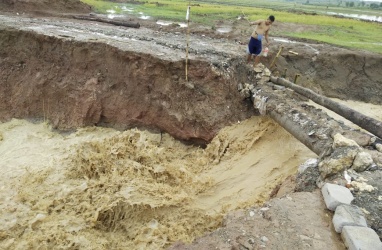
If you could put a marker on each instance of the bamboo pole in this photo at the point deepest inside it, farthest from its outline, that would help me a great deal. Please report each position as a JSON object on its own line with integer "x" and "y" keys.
{"x": 277, "y": 55}
{"x": 188, "y": 37}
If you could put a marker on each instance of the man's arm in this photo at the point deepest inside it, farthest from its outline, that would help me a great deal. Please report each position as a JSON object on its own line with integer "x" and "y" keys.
{"x": 266, "y": 37}
{"x": 256, "y": 22}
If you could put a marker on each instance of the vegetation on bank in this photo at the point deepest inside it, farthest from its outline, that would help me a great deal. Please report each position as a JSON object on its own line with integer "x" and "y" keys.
{"x": 346, "y": 32}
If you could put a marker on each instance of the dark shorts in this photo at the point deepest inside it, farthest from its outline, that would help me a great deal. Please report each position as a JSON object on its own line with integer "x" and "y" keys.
{"x": 254, "y": 46}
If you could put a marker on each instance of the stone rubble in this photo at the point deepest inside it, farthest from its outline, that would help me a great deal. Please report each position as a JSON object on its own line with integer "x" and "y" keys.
{"x": 357, "y": 238}
{"x": 348, "y": 215}
{"x": 347, "y": 159}
{"x": 335, "y": 195}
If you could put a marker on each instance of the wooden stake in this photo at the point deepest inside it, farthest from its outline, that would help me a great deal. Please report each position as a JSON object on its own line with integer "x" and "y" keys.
{"x": 296, "y": 77}
{"x": 277, "y": 55}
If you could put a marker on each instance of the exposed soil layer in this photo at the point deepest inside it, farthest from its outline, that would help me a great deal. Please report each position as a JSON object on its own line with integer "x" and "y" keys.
{"x": 82, "y": 73}
{"x": 42, "y": 6}
{"x": 76, "y": 80}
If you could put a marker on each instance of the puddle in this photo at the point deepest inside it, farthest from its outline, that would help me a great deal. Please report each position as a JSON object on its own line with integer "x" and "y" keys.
{"x": 124, "y": 8}
{"x": 164, "y": 23}
{"x": 224, "y": 29}
{"x": 112, "y": 16}
{"x": 285, "y": 40}
{"x": 167, "y": 23}
{"x": 144, "y": 17}
{"x": 365, "y": 43}
{"x": 358, "y": 16}
{"x": 183, "y": 25}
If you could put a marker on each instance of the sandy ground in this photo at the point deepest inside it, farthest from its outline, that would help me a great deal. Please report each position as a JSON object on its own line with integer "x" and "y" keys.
{"x": 368, "y": 109}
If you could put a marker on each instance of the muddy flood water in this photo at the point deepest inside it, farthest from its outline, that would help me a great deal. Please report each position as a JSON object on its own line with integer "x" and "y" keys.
{"x": 99, "y": 188}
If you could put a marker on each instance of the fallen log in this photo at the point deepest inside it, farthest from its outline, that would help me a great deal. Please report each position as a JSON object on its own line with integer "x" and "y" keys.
{"x": 368, "y": 123}
{"x": 104, "y": 20}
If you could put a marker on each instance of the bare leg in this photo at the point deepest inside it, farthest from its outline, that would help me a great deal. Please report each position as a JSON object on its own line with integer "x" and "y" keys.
{"x": 257, "y": 60}
{"x": 249, "y": 58}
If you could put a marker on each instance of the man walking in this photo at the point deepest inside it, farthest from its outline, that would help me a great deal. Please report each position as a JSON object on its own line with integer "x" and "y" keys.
{"x": 255, "y": 43}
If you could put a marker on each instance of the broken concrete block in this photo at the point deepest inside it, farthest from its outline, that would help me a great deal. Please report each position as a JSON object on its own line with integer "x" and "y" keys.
{"x": 312, "y": 162}
{"x": 342, "y": 141}
{"x": 362, "y": 161}
{"x": 267, "y": 72}
{"x": 259, "y": 68}
{"x": 240, "y": 87}
{"x": 356, "y": 238}
{"x": 342, "y": 158}
{"x": 378, "y": 147}
{"x": 348, "y": 215}
{"x": 335, "y": 195}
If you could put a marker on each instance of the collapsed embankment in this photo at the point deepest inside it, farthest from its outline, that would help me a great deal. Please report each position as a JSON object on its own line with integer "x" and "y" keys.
{"x": 334, "y": 72}
{"x": 76, "y": 74}
{"x": 74, "y": 84}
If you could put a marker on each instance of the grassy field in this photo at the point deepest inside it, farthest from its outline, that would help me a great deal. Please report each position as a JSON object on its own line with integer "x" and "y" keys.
{"x": 338, "y": 31}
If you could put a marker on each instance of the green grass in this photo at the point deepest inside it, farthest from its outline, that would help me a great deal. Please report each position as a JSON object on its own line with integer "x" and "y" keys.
{"x": 345, "y": 32}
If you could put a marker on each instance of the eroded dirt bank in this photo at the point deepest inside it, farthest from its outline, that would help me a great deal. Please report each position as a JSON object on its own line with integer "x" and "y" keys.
{"x": 77, "y": 74}
{"x": 74, "y": 84}
{"x": 36, "y": 6}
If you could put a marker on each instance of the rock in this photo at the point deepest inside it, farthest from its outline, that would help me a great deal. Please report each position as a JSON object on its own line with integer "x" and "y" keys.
{"x": 369, "y": 198}
{"x": 376, "y": 156}
{"x": 266, "y": 72}
{"x": 341, "y": 159}
{"x": 348, "y": 215}
{"x": 335, "y": 195}
{"x": 277, "y": 87}
{"x": 362, "y": 161}
{"x": 378, "y": 147}
{"x": 259, "y": 68}
{"x": 263, "y": 80}
{"x": 342, "y": 141}
{"x": 357, "y": 238}
{"x": 362, "y": 186}
{"x": 240, "y": 87}
{"x": 245, "y": 93}
{"x": 307, "y": 179}
{"x": 361, "y": 139}
{"x": 264, "y": 239}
